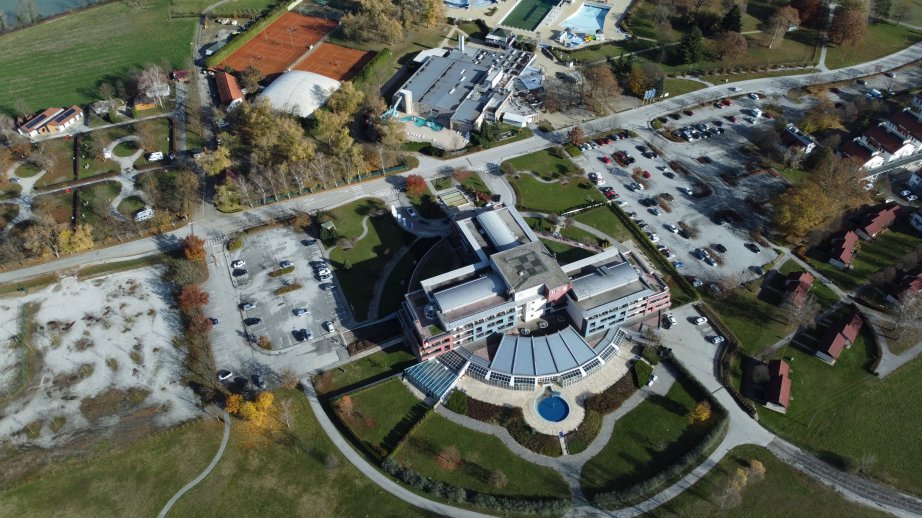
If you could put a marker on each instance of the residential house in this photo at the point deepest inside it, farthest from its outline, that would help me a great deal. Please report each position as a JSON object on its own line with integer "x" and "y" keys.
{"x": 894, "y": 145}
{"x": 797, "y": 287}
{"x": 52, "y": 120}
{"x": 908, "y": 286}
{"x": 228, "y": 90}
{"x": 838, "y": 337}
{"x": 778, "y": 395}
{"x": 843, "y": 249}
{"x": 857, "y": 149}
{"x": 793, "y": 137}
{"x": 877, "y": 221}
{"x": 500, "y": 37}
{"x": 104, "y": 107}
{"x": 907, "y": 124}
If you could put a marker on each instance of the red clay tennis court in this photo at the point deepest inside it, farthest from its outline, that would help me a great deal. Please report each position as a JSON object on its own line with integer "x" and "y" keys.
{"x": 333, "y": 61}
{"x": 274, "y": 49}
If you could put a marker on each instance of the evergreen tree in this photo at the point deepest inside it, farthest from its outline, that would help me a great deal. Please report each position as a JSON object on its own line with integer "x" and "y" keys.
{"x": 692, "y": 46}
{"x": 733, "y": 20}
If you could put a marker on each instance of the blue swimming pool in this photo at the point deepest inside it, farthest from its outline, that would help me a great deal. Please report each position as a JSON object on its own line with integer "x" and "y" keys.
{"x": 553, "y": 408}
{"x": 588, "y": 19}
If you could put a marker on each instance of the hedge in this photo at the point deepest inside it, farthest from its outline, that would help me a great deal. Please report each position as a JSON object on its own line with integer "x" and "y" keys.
{"x": 617, "y": 498}
{"x": 241, "y": 39}
{"x": 235, "y": 244}
{"x": 452, "y": 493}
{"x": 369, "y": 67}
{"x": 654, "y": 254}
{"x": 285, "y": 289}
{"x": 649, "y": 353}
{"x": 281, "y": 271}
{"x": 642, "y": 372}
{"x": 613, "y": 397}
{"x": 573, "y": 150}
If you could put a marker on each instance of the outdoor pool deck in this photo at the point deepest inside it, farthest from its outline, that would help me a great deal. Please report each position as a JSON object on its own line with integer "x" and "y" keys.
{"x": 443, "y": 138}
{"x": 548, "y": 28}
{"x": 574, "y": 395}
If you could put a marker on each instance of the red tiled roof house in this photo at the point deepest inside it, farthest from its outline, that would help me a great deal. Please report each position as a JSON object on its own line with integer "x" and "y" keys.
{"x": 843, "y": 250}
{"x": 52, "y": 120}
{"x": 877, "y": 221}
{"x": 838, "y": 337}
{"x": 909, "y": 286}
{"x": 797, "y": 287}
{"x": 778, "y": 395}
{"x": 228, "y": 90}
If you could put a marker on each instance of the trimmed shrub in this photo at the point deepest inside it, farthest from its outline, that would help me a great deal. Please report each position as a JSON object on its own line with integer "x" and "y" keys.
{"x": 287, "y": 289}
{"x": 580, "y": 439}
{"x": 642, "y": 372}
{"x": 235, "y": 244}
{"x": 281, "y": 271}
{"x": 612, "y": 398}
{"x": 649, "y": 353}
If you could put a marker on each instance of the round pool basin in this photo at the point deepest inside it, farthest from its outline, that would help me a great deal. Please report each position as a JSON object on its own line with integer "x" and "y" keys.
{"x": 553, "y": 408}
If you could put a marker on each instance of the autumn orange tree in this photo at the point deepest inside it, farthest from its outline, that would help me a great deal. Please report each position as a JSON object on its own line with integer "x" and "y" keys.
{"x": 193, "y": 248}
{"x": 416, "y": 185}
{"x": 701, "y": 413}
{"x": 191, "y": 298}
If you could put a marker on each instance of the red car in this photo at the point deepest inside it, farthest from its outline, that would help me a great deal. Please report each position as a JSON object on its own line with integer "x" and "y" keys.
{"x": 731, "y": 118}
{"x": 727, "y": 102}
{"x": 606, "y": 140}
{"x": 689, "y": 113}
{"x": 646, "y": 174}
{"x": 606, "y": 160}
{"x": 611, "y": 195}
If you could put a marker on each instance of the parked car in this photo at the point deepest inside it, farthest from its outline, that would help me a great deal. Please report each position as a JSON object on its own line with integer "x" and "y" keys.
{"x": 653, "y": 379}
{"x": 717, "y": 339}
{"x": 672, "y": 228}
{"x": 754, "y": 96}
{"x": 412, "y": 212}
{"x": 301, "y": 311}
{"x": 239, "y": 263}
{"x": 246, "y": 306}
{"x": 671, "y": 319}
{"x": 259, "y": 381}
{"x": 328, "y": 325}
{"x": 285, "y": 264}
{"x": 688, "y": 112}
{"x": 224, "y": 375}
{"x": 753, "y": 247}
{"x": 701, "y": 320}
{"x": 214, "y": 321}
{"x": 717, "y": 247}
{"x": 678, "y": 265}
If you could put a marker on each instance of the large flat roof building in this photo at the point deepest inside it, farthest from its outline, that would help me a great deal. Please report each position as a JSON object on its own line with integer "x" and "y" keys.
{"x": 483, "y": 314}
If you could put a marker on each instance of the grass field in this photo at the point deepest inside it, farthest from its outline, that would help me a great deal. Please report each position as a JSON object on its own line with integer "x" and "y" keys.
{"x": 396, "y": 285}
{"x": 881, "y": 252}
{"x": 481, "y": 455}
{"x": 566, "y": 253}
{"x": 603, "y": 220}
{"x": 783, "y": 492}
{"x": 61, "y": 62}
{"x": 130, "y": 205}
{"x": 681, "y": 86}
{"x": 124, "y": 480}
{"x": 751, "y": 313}
{"x": 823, "y": 295}
{"x": 383, "y": 414}
{"x": 378, "y": 364}
{"x": 553, "y": 197}
{"x": 643, "y": 442}
{"x": 368, "y": 256}
{"x": 882, "y": 39}
{"x": 528, "y": 14}
{"x": 844, "y": 415}
{"x": 543, "y": 164}
{"x": 301, "y": 474}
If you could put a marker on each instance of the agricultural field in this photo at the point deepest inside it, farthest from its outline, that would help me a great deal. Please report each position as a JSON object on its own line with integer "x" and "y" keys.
{"x": 69, "y": 56}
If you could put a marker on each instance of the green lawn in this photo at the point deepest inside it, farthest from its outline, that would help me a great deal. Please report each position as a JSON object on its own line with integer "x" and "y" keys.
{"x": 533, "y": 194}
{"x": 437, "y": 264}
{"x": 26, "y": 170}
{"x": 753, "y": 316}
{"x": 645, "y": 441}
{"x": 61, "y": 62}
{"x": 130, "y": 205}
{"x": 544, "y": 164}
{"x": 396, "y": 285}
{"x": 133, "y": 479}
{"x": 383, "y": 414}
{"x": 579, "y": 235}
{"x": 882, "y": 39}
{"x": 105, "y": 190}
{"x": 566, "y": 253}
{"x": 609, "y": 50}
{"x": 881, "y": 252}
{"x": 783, "y": 492}
{"x": 475, "y": 184}
{"x": 381, "y": 363}
{"x": 441, "y": 183}
{"x": 300, "y": 474}
{"x": 61, "y": 153}
{"x": 732, "y": 78}
{"x": 842, "y": 412}
{"x": 481, "y": 455}
{"x": 676, "y": 87}
{"x": 604, "y": 220}
{"x": 229, "y": 7}
{"x": 368, "y": 256}
{"x": 124, "y": 149}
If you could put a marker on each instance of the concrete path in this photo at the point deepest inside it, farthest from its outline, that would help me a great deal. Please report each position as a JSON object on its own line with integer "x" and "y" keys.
{"x": 379, "y": 478}
{"x": 214, "y": 462}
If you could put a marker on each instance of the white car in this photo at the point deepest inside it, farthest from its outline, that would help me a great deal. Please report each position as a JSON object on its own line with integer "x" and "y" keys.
{"x": 686, "y": 190}
{"x": 717, "y": 339}
{"x": 323, "y": 272}
{"x": 671, "y": 319}
{"x": 301, "y": 311}
{"x": 653, "y": 237}
{"x": 701, "y": 320}
{"x": 735, "y": 89}
{"x": 412, "y": 212}
{"x": 239, "y": 263}
{"x": 672, "y": 228}
{"x": 653, "y": 379}
{"x": 753, "y": 96}
{"x": 328, "y": 325}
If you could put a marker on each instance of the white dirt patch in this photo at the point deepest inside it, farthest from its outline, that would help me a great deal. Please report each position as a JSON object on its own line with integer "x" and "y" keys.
{"x": 112, "y": 332}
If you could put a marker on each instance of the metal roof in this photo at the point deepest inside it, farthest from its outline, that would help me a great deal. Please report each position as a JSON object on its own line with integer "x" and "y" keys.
{"x": 541, "y": 355}
{"x": 497, "y": 230}
{"x": 469, "y": 292}
{"x": 605, "y": 278}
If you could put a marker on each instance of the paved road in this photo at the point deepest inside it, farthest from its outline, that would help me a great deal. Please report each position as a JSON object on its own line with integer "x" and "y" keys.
{"x": 214, "y": 462}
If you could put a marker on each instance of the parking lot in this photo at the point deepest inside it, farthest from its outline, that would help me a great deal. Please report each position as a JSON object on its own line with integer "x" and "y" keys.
{"x": 693, "y": 212}
{"x": 247, "y": 308}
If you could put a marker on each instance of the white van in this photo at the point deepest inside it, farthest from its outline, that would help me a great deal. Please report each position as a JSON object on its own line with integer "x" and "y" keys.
{"x": 156, "y": 156}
